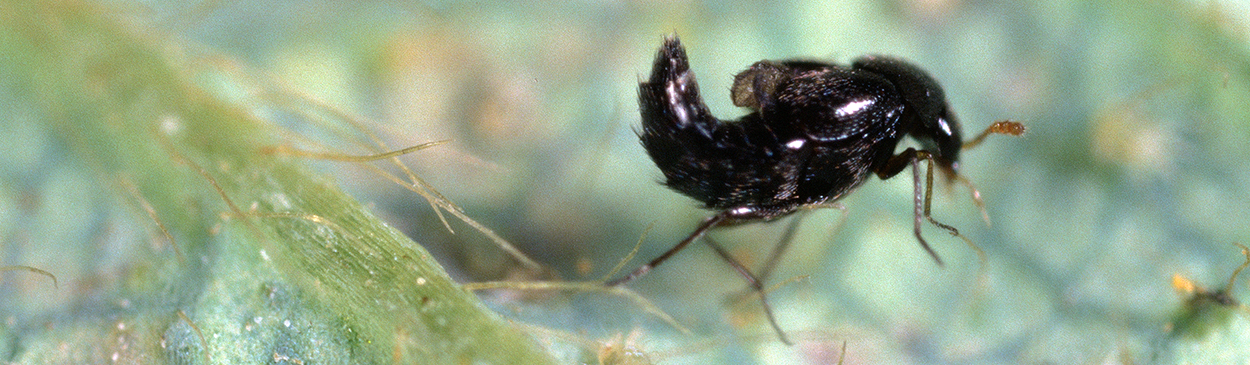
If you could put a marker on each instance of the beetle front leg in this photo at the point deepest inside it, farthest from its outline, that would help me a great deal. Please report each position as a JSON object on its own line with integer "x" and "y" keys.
{"x": 923, "y": 192}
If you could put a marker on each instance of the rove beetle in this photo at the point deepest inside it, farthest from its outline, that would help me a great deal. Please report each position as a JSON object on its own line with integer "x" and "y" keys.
{"x": 815, "y": 133}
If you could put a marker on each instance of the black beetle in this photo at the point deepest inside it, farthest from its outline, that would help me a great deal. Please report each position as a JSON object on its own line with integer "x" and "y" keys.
{"x": 815, "y": 133}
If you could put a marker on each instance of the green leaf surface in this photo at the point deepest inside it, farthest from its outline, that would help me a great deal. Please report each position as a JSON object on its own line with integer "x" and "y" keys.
{"x": 268, "y": 263}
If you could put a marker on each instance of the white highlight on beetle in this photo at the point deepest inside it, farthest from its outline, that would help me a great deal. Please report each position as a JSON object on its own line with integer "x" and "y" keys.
{"x": 854, "y": 107}
{"x": 677, "y": 103}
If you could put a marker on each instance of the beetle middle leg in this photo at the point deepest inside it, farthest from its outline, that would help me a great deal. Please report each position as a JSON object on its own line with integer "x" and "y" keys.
{"x": 756, "y": 282}
{"x": 757, "y": 285}
{"x": 787, "y": 237}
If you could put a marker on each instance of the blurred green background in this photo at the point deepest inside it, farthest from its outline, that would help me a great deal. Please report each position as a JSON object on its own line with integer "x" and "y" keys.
{"x": 1132, "y": 171}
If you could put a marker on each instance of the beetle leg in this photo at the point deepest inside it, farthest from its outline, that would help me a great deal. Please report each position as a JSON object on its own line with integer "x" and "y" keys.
{"x": 756, "y": 284}
{"x": 708, "y": 224}
{"x": 922, "y": 205}
{"x": 896, "y": 164}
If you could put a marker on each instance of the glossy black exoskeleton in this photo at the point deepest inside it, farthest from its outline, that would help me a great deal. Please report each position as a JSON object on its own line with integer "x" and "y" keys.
{"x": 816, "y": 132}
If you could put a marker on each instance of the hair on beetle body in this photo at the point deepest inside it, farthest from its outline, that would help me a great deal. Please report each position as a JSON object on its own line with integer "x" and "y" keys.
{"x": 816, "y": 132}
